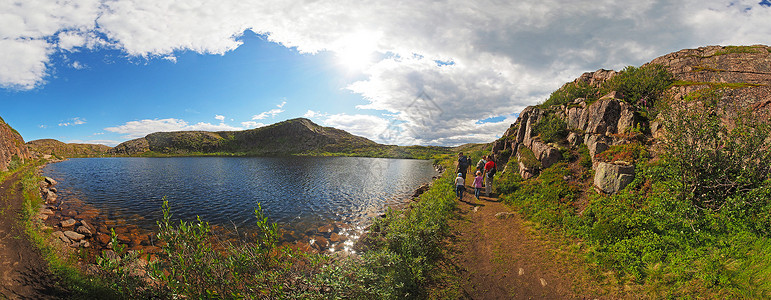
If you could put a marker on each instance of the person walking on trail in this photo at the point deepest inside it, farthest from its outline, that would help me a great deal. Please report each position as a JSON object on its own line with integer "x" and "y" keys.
{"x": 478, "y": 184}
{"x": 463, "y": 164}
{"x": 460, "y": 186}
{"x": 481, "y": 163}
{"x": 489, "y": 173}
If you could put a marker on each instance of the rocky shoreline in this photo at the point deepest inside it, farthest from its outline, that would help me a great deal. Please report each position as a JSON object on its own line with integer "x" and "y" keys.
{"x": 78, "y": 227}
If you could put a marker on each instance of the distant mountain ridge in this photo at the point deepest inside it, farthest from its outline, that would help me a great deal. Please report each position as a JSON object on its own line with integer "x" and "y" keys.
{"x": 298, "y": 136}
{"x": 61, "y": 149}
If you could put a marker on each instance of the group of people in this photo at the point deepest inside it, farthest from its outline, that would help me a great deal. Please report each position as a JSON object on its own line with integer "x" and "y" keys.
{"x": 483, "y": 176}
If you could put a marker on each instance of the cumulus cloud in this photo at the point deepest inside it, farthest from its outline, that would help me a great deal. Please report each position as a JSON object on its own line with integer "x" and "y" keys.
{"x": 474, "y": 59}
{"x": 312, "y": 114}
{"x": 220, "y": 117}
{"x": 73, "y": 122}
{"x": 136, "y": 129}
{"x": 251, "y": 124}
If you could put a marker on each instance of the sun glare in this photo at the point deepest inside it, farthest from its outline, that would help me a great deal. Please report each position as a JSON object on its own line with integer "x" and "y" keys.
{"x": 357, "y": 52}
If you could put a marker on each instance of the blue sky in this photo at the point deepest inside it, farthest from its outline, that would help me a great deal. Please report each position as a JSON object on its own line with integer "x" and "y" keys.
{"x": 399, "y": 72}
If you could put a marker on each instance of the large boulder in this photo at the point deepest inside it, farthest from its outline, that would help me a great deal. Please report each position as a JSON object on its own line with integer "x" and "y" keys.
{"x": 611, "y": 178}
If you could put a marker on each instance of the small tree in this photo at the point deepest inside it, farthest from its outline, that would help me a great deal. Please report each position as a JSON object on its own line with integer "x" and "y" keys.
{"x": 715, "y": 161}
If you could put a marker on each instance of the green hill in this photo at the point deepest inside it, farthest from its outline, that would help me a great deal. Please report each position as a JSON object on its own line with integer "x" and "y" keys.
{"x": 292, "y": 137}
{"x": 61, "y": 149}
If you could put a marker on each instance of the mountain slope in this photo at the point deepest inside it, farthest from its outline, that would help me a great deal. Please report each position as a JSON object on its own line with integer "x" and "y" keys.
{"x": 61, "y": 149}
{"x": 292, "y": 137}
{"x": 12, "y": 149}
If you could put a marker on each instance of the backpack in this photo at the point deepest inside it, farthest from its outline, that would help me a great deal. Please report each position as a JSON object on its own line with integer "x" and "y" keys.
{"x": 491, "y": 173}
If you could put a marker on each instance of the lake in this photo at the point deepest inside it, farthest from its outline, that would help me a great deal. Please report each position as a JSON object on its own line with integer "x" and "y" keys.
{"x": 299, "y": 193}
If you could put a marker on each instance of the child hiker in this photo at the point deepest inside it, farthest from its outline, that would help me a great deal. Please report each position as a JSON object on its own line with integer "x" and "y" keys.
{"x": 460, "y": 186}
{"x": 478, "y": 184}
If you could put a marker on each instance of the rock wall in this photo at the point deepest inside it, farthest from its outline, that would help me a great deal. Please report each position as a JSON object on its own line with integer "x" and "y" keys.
{"x": 11, "y": 145}
{"x": 742, "y": 73}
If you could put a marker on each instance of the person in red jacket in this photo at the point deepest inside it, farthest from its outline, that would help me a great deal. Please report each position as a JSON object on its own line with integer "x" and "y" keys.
{"x": 489, "y": 173}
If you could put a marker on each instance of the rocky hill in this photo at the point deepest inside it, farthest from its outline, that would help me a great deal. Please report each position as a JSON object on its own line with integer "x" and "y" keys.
{"x": 295, "y": 136}
{"x": 12, "y": 149}
{"x": 591, "y": 113}
{"x": 66, "y": 150}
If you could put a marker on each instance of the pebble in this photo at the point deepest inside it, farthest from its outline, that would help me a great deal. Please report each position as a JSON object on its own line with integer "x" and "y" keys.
{"x": 68, "y": 223}
{"x": 504, "y": 215}
{"x": 74, "y": 235}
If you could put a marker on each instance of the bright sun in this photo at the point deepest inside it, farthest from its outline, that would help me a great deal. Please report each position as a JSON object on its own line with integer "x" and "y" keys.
{"x": 357, "y": 52}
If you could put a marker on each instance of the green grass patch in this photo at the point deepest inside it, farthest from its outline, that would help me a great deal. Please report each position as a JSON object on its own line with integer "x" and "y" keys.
{"x": 527, "y": 157}
{"x": 717, "y": 85}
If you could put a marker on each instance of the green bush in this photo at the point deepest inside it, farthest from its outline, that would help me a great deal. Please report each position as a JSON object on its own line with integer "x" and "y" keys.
{"x": 551, "y": 129}
{"x": 509, "y": 181}
{"x": 630, "y": 153}
{"x": 642, "y": 86}
{"x": 569, "y": 92}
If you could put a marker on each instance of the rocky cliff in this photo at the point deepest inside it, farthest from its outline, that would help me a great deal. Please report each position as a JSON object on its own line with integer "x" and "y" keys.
{"x": 743, "y": 74}
{"x": 53, "y": 147}
{"x": 294, "y": 136}
{"x": 12, "y": 148}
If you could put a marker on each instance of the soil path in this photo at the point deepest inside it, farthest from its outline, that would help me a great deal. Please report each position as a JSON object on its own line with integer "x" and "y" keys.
{"x": 24, "y": 273}
{"x": 504, "y": 258}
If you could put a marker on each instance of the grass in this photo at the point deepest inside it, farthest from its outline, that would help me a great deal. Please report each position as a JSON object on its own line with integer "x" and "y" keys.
{"x": 717, "y": 85}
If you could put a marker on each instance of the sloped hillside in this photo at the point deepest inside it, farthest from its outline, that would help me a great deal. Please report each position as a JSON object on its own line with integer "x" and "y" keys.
{"x": 67, "y": 150}
{"x": 295, "y": 136}
{"x": 662, "y": 172}
{"x": 12, "y": 149}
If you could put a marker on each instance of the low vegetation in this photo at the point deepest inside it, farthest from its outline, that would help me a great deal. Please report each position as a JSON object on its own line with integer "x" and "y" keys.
{"x": 693, "y": 223}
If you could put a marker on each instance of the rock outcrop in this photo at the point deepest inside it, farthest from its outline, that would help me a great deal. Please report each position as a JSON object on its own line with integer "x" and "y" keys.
{"x": 611, "y": 178}
{"x": 12, "y": 146}
{"x": 742, "y": 73}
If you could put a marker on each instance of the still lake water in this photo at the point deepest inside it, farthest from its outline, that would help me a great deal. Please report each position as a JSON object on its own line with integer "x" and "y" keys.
{"x": 300, "y": 193}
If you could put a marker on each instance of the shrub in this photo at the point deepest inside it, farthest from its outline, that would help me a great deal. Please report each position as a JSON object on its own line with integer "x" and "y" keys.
{"x": 642, "y": 86}
{"x": 625, "y": 152}
{"x": 527, "y": 157}
{"x": 551, "y": 129}
{"x": 569, "y": 92}
{"x": 509, "y": 181}
{"x": 712, "y": 161}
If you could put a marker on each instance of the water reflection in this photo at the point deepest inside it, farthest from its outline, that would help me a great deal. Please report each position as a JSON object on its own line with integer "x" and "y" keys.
{"x": 300, "y": 193}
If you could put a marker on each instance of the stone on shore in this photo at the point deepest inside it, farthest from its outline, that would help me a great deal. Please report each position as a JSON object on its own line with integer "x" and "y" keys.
{"x": 68, "y": 223}
{"x": 61, "y": 236}
{"x": 74, "y": 235}
{"x": 50, "y": 181}
{"x": 83, "y": 230}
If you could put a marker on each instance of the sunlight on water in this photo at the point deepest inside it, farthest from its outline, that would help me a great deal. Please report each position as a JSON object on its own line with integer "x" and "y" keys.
{"x": 312, "y": 198}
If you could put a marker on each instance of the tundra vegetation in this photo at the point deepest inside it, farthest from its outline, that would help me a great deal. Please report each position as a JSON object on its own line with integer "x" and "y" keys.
{"x": 695, "y": 220}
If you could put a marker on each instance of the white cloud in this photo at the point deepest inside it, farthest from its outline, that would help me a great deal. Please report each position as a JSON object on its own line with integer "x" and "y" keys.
{"x": 312, "y": 114}
{"x": 504, "y": 54}
{"x": 220, "y": 117}
{"x": 264, "y": 115}
{"x": 136, "y": 129}
{"x": 111, "y": 143}
{"x": 77, "y": 65}
{"x": 251, "y": 124}
{"x": 73, "y": 122}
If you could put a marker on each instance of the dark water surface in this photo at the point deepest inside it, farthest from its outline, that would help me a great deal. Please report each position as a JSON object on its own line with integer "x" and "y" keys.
{"x": 300, "y": 193}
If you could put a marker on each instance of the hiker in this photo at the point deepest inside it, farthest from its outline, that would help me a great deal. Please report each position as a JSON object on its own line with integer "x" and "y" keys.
{"x": 460, "y": 186}
{"x": 489, "y": 173}
{"x": 478, "y": 184}
{"x": 481, "y": 163}
{"x": 463, "y": 164}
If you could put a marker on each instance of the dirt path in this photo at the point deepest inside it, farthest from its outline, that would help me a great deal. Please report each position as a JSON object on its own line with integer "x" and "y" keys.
{"x": 504, "y": 258}
{"x": 23, "y": 272}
